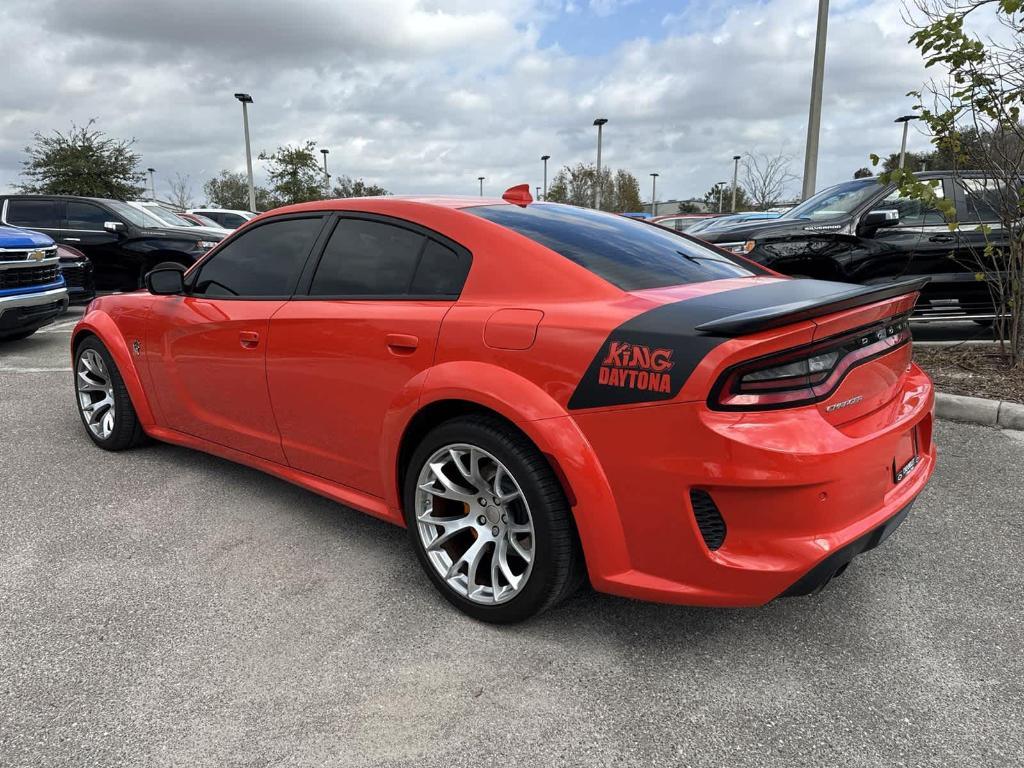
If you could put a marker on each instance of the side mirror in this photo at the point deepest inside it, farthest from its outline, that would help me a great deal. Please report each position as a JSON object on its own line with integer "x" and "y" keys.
{"x": 116, "y": 227}
{"x": 888, "y": 217}
{"x": 166, "y": 281}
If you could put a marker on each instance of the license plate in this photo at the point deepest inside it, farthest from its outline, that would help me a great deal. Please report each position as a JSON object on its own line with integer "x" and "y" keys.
{"x": 906, "y": 461}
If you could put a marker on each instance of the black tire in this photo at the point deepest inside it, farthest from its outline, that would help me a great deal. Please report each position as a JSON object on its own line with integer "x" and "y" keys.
{"x": 127, "y": 431}
{"x": 558, "y": 567}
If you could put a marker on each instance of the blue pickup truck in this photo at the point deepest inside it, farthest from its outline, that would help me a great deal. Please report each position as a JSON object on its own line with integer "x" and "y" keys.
{"x": 32, "y": 289}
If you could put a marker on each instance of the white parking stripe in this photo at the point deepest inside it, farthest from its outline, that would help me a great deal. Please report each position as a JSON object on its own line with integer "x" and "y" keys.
{"x": 14, "y": 369}
{"x": 65, "y": 326}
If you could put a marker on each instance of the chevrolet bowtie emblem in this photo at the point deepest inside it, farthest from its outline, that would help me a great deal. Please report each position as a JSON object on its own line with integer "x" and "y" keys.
{"x": 36, "y": 255}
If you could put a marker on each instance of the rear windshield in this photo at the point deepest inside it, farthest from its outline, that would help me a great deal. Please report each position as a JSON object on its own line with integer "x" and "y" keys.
{"x": 627, "y": 253}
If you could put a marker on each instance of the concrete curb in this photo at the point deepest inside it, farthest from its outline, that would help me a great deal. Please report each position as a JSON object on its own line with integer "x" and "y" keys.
{"x": 979, "y": 410}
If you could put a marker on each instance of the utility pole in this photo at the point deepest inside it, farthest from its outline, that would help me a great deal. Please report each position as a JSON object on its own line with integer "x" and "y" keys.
{"x": 545, "y": 158}
{"x": 599, "y": 122}
{"x": 735, "y": 178}
{"x": 654, "y": 194}
{"x": 327, "y": 176}
{"x": 721, "y": 193}
{"x": 481, "y": 180}
{"x": 814, "y": 118}
{"x": 152, "y": 184}
{"x": 246, "y": 99}
{"x": 903, "y": 145}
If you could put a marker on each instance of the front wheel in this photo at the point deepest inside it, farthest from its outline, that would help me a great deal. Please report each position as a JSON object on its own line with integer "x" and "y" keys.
{"x": 103, "y": 402}
{"x": 489, "y": 521}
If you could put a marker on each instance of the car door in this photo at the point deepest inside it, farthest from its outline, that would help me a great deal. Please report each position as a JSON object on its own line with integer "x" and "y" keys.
{"x": 207, "y": 349}
{"x": 342, "y": 355}
{"x": 85, "y": 229}
{"x": 920, "y": 244}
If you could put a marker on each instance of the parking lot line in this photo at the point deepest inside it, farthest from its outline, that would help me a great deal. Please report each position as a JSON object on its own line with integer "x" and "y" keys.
{"x": 67, "y": 325}
{"x": 16, "y": 369}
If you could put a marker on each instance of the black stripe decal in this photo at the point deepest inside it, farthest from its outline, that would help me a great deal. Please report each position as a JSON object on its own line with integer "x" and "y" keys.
{"x": 650, "y": 357}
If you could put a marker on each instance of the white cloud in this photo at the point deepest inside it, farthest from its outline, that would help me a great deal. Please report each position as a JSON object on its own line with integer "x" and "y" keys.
{"x": 426, "y": 96}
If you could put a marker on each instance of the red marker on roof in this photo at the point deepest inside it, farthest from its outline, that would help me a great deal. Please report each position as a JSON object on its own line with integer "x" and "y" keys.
{"x": 518, "y": 195}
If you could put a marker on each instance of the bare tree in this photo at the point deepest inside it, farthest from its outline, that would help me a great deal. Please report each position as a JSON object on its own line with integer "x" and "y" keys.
{"x": 766, "y": 177}
{"x": 181, "y": 191}
{"x": 974, "y": 114}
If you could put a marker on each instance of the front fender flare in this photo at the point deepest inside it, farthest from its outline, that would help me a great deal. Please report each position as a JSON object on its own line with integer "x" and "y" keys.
{"x": 103, "y": 327}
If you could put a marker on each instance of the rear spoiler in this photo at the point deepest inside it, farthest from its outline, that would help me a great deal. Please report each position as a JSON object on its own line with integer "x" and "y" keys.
{"x": 805, "y": 309}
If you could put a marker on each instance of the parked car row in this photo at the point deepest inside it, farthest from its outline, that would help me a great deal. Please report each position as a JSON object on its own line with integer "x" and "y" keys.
{"x": 865, "y": 232}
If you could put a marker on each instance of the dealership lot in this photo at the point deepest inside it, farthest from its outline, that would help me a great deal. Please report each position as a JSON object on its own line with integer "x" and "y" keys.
{"x": 164, "y": 607}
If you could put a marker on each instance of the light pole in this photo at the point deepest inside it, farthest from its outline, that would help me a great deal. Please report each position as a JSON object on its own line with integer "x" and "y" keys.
{"x": 903, "y": 145}
{"x": 545, "y": 158}
{"x": 246, "y": 99}
{"x": 721, "y": 192}
{"x": 538, "y": 192}
{"x": 654, "y": 194}
{"x": 152, "y": 185}
{"x": 814, "y": 118}
{"x": 327, "y": 176}
{"x": 735, "y": 177}
{"x": 481, "y": 180}
{"x": 599, "y": 122}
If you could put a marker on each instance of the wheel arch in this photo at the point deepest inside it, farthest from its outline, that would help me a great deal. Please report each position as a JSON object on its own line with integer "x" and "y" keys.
{"x": 522, "y": 405}
{"x": 101, "y": 326}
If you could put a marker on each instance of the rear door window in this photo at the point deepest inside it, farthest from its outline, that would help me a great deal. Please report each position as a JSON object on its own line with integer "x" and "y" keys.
{"x": 374, "y": 259}
{"x": 86, "y": 216}
{"x": 40, "y": 214}
{"x": 629, "y": 254}
{"x": 982, "y": 199}
{"x": 262, "y": 262}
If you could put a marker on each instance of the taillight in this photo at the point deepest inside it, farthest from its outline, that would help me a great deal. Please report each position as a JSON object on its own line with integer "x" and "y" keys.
{"x": 806, "y": 374}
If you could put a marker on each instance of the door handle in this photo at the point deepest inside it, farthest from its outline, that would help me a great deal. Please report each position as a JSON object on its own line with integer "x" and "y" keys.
{"x": 249, "y": 339}
{"x": 402, "y": 343}
{"x": 72, "y": 239}
{"x": 941, "y": 239}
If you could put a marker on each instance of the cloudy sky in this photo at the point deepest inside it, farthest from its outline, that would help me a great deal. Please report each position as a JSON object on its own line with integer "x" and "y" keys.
{"x": 426, "y": 95}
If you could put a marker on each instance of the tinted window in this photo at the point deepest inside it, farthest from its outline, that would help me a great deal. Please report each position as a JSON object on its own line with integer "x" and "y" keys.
{"x": 265, "y": 261}
{"x": 442, "y": 271}
{"x": 629, "y": 254}
{"x": 33, "y": 213}
{"x": 982, "y": 199}
{"x": 368, "y": 258}
{"x": 86, "y": 215}
{"x": 835, "y": 202}
{"x": 913, "y": 213}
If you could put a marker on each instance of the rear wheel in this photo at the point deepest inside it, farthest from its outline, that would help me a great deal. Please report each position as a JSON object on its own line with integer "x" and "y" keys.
{"x": 103, "y": 402}
{"x": 489, "y": 521}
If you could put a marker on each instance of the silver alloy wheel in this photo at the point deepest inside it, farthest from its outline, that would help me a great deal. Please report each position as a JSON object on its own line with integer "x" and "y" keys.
{"x": 474, "y": 523}
{"x": 95, "y": 393}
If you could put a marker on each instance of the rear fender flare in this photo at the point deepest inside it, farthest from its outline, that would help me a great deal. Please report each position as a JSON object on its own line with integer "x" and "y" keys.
{"x": 551, "y": 429}
{"x": 103, "y": 327}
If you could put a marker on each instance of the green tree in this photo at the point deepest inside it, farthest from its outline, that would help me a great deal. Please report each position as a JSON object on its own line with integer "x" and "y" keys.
{"x": 349, "y": 187}
{"x": 577, "y": 184}
{"x": 231, "y": 190}
{"x": 721, "y": 195}
{"x": 862, "y": 173}
{"x": 626, "y": 193}
{"x": 295, "y": 174}
{"x": 688, "y": 206}
{"x": 85, "y": 162}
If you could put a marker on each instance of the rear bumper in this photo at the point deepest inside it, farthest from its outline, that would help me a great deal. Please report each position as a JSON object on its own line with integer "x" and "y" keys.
{"x": 799, "y": 497}
{"x": 28, "y": 311}
{"x": 833, "y": 565}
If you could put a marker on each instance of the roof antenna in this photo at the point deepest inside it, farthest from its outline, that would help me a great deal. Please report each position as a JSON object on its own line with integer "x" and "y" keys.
{"x": 518, "y": 195}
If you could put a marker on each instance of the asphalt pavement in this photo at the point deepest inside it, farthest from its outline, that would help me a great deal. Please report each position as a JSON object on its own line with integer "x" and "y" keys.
{"x": 162, "y": 607}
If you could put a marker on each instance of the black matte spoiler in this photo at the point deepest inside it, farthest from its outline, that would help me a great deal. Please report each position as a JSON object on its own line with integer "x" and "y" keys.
{"x": 774, "y": 316}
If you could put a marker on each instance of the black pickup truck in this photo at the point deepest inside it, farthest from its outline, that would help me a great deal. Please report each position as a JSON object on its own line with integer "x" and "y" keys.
{"x": 863, "y": 231}
{"x": 122, "y": 242}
